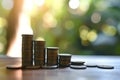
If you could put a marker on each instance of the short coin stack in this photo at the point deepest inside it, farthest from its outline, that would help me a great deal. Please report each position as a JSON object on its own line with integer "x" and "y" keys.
{"x": 39, "y": 53}
{"x": 78, "y": 65}
{"x": 52, "y": 56}
{"x": 27, "y": 54}
{"x": 64, "y": 60}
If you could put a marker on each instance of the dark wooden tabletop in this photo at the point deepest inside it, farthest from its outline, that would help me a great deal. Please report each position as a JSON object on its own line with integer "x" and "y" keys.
{"x": 64, "y": 73}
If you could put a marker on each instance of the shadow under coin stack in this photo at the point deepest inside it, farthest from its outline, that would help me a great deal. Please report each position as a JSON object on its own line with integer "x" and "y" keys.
{"x": 52, "y": 56}
{"x": 27, "y": 54}
{"x": 39, "y": 53}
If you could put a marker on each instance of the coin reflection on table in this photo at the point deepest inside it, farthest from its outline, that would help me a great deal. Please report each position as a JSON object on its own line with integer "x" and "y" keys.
{"x": 14, "y": 74}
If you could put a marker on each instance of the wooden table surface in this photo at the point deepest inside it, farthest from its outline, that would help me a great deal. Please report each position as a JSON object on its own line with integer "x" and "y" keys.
{"x": 64, "y": 73}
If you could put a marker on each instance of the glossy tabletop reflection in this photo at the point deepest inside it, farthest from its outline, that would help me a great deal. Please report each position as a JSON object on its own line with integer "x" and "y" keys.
{"x": 64, "y": 73}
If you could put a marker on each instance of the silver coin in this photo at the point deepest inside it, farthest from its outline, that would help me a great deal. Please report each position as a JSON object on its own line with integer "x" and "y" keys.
{"x": 105, "y": 66}
{"x": 91, "y": 65}
{"x": 78, "y": 67}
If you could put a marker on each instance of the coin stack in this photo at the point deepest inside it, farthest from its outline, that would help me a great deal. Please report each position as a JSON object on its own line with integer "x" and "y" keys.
{"x": 27, "y": 54}
{"x": 64, "y": 60}
{"x": 39, "y": 53}
{"x": 52, "y": 56}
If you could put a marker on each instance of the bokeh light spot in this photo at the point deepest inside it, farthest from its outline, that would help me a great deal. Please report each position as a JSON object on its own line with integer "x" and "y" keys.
{"x": 84, "y": 6}
{"x": 7, "y": 4}
{"x": 109, "y": 30}
{"x": 74, "y": 4}
{"x": 83, "y": 30}
{"x": 83, "y": 34}
{"x": 49, "y": 20}
{"x": 96, "y": 17}
{"x": 69, "y": 25}
{"x": 92, "y": 36}
{"x": 3, "y": 22}
{"x": 28, "y": 6}
{"x": 39, "y": 2}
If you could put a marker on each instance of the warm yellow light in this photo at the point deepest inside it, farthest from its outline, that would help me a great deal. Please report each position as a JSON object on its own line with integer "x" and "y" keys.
{"x": 56, "y": 9}
{"x": 83, "y": 31}
{"x": 39, "y": 2}
{"x": 84, "y": 6}
{"x": 40, "y": 39}
{"x": 92, "y": 36}
{"x": 83, "y": 34}
{"x": 28, "y": 6}
{"x": 3, "y": 22}
{"x": 49, "y": 20}
{"x": 79, "y": 7}
{"x": 109, "y": 30}
{"x": 24, "y": 27}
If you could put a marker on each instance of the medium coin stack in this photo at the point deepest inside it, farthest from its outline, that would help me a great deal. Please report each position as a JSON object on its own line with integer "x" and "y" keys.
{"x": 64, "y": 60}
{"x": 39, "y": 53}
{"x": 52, "y": 56}
{"x": 27, "y": 54}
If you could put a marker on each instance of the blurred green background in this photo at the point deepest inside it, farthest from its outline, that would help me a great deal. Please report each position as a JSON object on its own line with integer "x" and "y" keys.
{"x": 85, "y": 27}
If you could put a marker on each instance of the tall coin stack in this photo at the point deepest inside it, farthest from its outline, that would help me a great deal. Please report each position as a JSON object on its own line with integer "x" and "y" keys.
{"x": 27, "y": 54}
{"x": 39, "y": 53}
{"x": 52, "y": 56}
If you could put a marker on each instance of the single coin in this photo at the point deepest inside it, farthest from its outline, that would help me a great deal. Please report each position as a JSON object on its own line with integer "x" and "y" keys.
{"x": 77, "y": 67}
{"x": 13, "y": 66}
{"x": 91, "y": 65}
{"x": 105, "y": 66}
{"x": 77, "y": 62}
